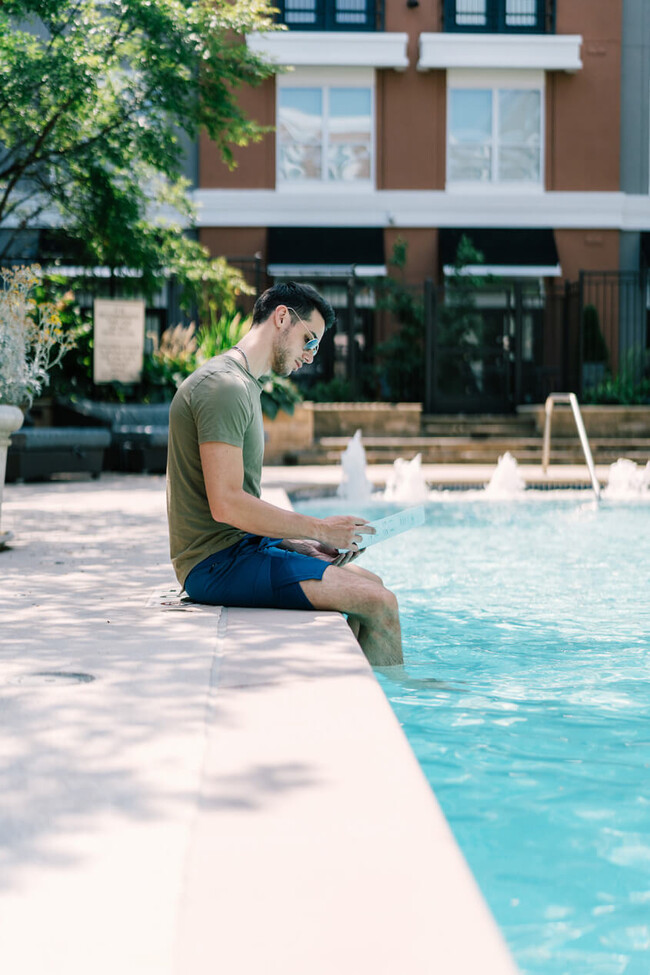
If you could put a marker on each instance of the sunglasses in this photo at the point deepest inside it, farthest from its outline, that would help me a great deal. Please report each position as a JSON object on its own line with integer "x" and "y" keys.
{"x": 312, "y": 344}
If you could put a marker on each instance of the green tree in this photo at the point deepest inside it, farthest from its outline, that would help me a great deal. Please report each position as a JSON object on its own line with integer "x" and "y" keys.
{"x": 400, "y": 359}
{"x": 461, "y": 327}
{"x": 98, "y": 97}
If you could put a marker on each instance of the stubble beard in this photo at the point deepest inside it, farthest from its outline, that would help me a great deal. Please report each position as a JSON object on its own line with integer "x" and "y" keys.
{"x": 281, "y": 362}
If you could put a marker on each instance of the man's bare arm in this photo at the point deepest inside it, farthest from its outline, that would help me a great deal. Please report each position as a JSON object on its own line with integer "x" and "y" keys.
{"x": 223, "y": 473}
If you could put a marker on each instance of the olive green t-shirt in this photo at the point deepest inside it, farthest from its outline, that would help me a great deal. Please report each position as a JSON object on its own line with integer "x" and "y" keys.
{"x": 219, "y": 402}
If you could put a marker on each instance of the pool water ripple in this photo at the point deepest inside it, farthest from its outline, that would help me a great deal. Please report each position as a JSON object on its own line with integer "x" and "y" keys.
{"x": 534, "y": 619}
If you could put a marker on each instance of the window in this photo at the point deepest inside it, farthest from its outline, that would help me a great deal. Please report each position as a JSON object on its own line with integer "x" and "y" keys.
{"x": 331, "y": 14}
{"x": 499, "y": 15}
{"x": 325, "y": 134}
{"x": 494, "y": 135}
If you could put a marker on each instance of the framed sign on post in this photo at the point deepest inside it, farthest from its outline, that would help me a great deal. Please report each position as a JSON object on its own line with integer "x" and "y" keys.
{"x": 118, "y": 340}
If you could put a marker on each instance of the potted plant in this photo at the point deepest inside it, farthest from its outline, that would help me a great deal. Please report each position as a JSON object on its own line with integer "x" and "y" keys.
{"x": 31, "y": 342}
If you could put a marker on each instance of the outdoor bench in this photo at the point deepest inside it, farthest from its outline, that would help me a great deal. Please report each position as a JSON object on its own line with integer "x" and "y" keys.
{"x": 36, "y": 453}
{"x": 138, "y": 431}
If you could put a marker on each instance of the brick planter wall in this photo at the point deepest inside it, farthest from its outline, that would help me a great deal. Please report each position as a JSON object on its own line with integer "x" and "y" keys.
{"x": 373, "y": 419}
{"x": 286, "y": 436}
{"x": 600, "y": 421}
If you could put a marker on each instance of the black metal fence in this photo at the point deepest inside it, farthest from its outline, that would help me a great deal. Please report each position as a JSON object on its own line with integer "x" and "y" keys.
{"x": 615, "y": 335}
{"x": 470, "y": 346}
{"x": 467, "y": 345}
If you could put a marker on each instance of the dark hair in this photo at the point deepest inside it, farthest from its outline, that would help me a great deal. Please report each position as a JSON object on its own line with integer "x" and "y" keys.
{"x": 301, "y": 297}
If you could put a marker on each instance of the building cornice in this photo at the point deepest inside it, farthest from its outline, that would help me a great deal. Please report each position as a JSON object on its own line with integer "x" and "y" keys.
{"x": 421, "y": 208}
{"x": 350, "y": 49}
{"x": 548, "y": 52}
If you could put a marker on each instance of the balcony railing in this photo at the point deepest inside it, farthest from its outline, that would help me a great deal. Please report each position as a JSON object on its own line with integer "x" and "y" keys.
{"x": 339, "y": 15}
{"x": 500, "y": 16}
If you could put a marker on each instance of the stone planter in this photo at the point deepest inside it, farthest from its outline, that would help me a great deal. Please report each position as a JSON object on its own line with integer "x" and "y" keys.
{"x": 600, "y": 421}
{"x": 287, "y": 435}
{"x": 11, "y": 419}
{"x": 373, "y": 419}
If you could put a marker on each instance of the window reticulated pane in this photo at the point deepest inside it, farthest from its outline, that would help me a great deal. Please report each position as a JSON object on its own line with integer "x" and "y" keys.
{"x": 350, "y": 118}
{"x": 351, "y": 11}
{"x": 300, "y": 11}
{"x": 300, "y": 133}
{"x": 519, "y": 135}
{"x": 521, "y": 13}
{"x": 334, "y": 123}
{"x": 349, "y": 133}
{"x": 348, "y": 162}
{"x": 298, "y": 162}
{"x": 301, "y": 115}
{"x": 471, "y": 13}
{"x": 470, "y": 164}
{"x": 470, "y": 135}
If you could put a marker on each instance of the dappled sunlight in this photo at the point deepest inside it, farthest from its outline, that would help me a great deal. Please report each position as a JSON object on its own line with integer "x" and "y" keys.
{"x": 259, "y": 786}
{"x": 126, "y": 750}
{"x": 128, "y": 745}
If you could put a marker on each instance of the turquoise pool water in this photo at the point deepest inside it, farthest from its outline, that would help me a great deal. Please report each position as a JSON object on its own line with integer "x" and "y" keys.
{"x": 535, "y": 616}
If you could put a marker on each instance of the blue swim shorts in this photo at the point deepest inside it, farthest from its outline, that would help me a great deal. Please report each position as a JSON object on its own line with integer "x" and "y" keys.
{"x": 254, "y": 572}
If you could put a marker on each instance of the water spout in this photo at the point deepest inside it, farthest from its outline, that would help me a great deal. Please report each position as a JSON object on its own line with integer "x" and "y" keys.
{"x": 506, "y": 481}
{"x": 406, "y": 482}
{"x": 354, "y": 485}
{"x": 627, "y": 481}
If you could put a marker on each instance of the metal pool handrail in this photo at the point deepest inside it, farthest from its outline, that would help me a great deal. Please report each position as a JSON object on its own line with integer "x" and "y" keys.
{"x": 572, "y": 400}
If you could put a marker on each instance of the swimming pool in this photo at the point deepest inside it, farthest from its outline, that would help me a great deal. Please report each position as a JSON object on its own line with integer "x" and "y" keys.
{"x": 533, "y": 617}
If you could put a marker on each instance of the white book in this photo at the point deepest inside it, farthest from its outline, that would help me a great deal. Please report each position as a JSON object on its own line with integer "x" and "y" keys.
{"x": 401, "y": 521}
{"x": 386, "y": 528}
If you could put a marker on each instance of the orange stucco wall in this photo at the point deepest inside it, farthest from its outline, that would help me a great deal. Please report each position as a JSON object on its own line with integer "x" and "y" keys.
{"x": 586, "y": 250}
{"x": 583, "y": 109}
{"x": 411, "y": 124}
{"x": 234, "y": 241}
{"x": 255, "y": 167}
{"x": 411, "y": 109}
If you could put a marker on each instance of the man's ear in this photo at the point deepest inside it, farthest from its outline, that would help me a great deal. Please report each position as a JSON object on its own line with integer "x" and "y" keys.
{"x": 278, "y": 315}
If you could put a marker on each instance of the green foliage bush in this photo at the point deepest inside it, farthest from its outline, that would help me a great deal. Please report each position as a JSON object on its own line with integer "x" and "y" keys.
{"x": 336, "y": 390}
{"x": 399, "y": 368}
{"x": 630, "y": 387}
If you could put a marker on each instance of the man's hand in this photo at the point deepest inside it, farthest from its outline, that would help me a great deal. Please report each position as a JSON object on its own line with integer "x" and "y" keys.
{"x": 317, "y": 550}
{"x": 344, "y": 531}
{"x": 343, "y": 558}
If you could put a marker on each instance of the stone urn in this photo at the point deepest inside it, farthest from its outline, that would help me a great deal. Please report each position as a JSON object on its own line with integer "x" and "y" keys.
{"x": 11, "y": 419}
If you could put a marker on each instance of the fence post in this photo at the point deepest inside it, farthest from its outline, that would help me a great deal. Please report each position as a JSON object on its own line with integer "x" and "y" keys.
{"x": 430, "y": 318}
{"x": 258, "y": 274}
{"x": 351, "y": 323}
{"x": 565, "y": 335}
{"x": 519, "y": 331}
{"x": 581, "y": 336}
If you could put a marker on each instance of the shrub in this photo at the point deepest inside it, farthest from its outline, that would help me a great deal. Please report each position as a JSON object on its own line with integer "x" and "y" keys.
{"x": 32, "y": 339}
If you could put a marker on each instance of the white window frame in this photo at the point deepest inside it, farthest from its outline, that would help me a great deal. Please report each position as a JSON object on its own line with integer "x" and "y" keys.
{"x": 494, "y": 81}
{"x": 325, "y": 79}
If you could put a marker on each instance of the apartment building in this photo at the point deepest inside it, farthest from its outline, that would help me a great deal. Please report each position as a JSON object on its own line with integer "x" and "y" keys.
{"x": 514, "y": 122}
{"x": 424, "y": 119}
{"x": 635, "y": 134}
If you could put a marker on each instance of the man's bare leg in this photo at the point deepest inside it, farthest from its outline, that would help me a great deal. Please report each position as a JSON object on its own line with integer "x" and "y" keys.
{"x": 353, "y": 621}
{"x": 366, "y": 601}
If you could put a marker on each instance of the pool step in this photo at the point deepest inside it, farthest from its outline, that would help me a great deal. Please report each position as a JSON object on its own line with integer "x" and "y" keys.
{"x": 477, "y": 427}
{"x": 473, "y": 450}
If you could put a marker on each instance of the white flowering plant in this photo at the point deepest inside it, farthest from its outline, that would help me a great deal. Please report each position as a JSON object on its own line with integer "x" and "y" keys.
{"x": 32, "y": 339}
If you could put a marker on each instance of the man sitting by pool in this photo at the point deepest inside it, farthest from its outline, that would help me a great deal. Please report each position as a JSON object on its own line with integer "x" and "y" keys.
{"x": 228, "y": 547}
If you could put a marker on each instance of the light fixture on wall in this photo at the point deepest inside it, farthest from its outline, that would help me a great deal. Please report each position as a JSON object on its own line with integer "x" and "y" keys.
{"x": 412, "y": 3}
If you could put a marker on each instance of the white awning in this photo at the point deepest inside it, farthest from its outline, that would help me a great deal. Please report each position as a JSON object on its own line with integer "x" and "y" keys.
{"x": 548, "y": 52}
{"x": 506, "y": 270}
{"x": 327, "y": 270}
{"x": 371, "y": 49}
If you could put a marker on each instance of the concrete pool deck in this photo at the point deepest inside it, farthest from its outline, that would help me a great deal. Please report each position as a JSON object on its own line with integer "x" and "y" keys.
{"x": 187, "y": 789}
